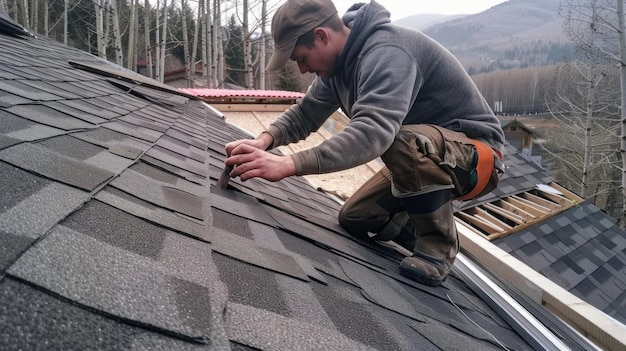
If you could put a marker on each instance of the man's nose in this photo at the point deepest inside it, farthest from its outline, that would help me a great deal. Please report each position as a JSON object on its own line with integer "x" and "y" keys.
{"x": 303, "y": 68}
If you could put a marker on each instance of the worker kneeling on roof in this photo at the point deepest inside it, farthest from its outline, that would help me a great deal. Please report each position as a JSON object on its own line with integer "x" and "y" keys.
{"x": 409, "y": 101}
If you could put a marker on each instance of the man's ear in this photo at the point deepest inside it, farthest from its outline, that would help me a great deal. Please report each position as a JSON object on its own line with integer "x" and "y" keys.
{"x": 322, "y": 34}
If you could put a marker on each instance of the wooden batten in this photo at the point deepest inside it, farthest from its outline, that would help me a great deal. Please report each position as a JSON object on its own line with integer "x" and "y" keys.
{"x": 514, "y": 213}
{"x": 239, "y": 107}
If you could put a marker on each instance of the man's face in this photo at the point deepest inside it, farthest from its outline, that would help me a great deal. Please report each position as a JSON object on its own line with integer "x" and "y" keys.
{"x": 318, "y": 59}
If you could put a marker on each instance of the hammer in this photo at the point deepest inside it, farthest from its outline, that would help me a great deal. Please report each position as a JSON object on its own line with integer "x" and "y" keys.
{"x": 222, "y": 183}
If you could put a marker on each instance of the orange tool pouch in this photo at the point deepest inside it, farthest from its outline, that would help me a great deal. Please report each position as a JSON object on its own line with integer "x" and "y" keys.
{"x": 484, "y": 169}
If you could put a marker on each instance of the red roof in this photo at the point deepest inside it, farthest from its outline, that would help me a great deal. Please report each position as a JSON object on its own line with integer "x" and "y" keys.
{"x": 232, "y": 93}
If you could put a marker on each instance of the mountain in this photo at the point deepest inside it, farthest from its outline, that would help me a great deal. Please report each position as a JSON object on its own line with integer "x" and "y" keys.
{"x": 423, "y": 21}
{"x": 515, "y": 33}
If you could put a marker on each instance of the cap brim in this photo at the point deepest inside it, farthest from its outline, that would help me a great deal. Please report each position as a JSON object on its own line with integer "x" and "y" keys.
{"x": 280, "y": 57}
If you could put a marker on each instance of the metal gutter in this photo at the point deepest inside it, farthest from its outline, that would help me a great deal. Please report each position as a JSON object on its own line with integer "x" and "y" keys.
{"x": 591, "y": 323}
{"x": 523, "y": 322}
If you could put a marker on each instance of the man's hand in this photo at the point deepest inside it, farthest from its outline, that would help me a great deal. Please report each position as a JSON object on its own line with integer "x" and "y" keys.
{"x": 262, "y": 142}
{"x": 250, "y": 162}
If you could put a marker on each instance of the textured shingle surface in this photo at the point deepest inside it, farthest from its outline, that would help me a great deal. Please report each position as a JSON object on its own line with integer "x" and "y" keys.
{"x": 583, "y": 250}
{"x": 114, "y": 236}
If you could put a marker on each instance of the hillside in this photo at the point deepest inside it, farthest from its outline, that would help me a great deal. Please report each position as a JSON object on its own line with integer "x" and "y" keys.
{"x": 516, "y": 33}
{"x": 423, "y": 21}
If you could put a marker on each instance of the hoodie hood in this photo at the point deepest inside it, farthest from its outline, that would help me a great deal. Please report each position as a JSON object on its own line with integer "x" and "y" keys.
{"x": 362, "y": 19}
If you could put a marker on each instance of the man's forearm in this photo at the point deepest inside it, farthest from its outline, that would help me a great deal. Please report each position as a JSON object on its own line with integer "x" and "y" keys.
{"x": 266, "y": 139}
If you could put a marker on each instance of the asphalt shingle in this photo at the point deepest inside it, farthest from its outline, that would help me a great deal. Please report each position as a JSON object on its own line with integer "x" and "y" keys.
{"x": 580, "y": 249}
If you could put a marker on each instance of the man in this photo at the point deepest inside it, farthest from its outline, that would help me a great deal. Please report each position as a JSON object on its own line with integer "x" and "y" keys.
{"x": 409, "y": 101}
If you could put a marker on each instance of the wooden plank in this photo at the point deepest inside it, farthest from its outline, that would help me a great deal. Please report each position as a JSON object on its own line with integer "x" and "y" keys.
{"x": 469, "y": 219}
{"x": 540, "y": 201}
{"x": 508, "y": 205}
{"x": 234, "y": 107}
{"x": 561, "y": 200}
{"x": 492, "y": 219}
{"x": 504, "y": 213}
{"x": 486, "y": 223}
{"x": 570, "y": 195}
{"x": 481, "y": 223}
{"x": 529, "y": 206}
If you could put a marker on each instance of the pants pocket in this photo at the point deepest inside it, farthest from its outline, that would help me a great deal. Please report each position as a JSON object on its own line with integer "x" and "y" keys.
{"x": 459, "y": 161}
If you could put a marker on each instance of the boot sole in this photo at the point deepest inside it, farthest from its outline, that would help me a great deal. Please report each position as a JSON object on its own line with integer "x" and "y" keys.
{"x": 411, "y": 274}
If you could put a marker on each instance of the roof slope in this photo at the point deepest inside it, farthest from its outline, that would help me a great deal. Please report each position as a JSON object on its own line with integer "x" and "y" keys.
{"x": 581, "y": 249}
{"x": 113, "y": 235}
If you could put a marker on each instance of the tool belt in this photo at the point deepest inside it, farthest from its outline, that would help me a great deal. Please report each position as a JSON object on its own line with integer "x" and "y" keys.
{"x": 488, "y": 168}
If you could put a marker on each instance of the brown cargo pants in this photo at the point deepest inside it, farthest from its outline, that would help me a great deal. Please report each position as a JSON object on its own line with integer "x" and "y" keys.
{"x": 423, "y": 159}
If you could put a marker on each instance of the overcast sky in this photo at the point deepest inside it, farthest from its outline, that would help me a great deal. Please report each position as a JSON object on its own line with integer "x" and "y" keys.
{"x": 404, "y": 8}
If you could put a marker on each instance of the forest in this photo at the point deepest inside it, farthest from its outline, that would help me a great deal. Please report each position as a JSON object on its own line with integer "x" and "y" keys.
{"x": 218, "y": 42}
{"x": 226, "y": 44}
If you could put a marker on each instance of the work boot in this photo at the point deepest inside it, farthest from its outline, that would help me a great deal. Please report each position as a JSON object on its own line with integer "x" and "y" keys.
{"x": 398, "y": 229}
{"x": 436, "y": 247}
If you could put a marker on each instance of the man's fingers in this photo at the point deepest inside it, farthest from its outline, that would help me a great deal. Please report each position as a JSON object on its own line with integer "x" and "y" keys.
{"x": 232, "y": 145}
{"x": 249, "y": 143}
{"x": 243, "y": 162}
{"x": 251, "y": 162}
{"x": 249, "y": 174}
{"x": 240, "y": 154}
{"x": 242, "y": 149}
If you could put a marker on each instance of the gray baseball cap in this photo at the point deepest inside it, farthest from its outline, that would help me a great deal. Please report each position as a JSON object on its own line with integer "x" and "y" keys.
{"x": 293, "y": 19}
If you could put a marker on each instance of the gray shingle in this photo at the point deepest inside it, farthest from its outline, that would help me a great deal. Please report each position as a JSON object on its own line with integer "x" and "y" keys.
{"x": 583, "y": 248}
{"x": 53, "y": 165}
{"x": 74, "y": 266}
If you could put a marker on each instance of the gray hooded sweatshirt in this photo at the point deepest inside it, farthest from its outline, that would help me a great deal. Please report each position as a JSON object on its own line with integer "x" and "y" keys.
{"x": 387, "y": 76}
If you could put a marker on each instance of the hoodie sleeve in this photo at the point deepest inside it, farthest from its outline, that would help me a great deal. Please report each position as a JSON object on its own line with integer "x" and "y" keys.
{"x": 306, "y": 116}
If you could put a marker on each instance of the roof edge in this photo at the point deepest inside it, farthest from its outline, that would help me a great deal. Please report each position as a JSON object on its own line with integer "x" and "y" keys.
{"x": 531, "y": 328}
{"x": 587, "y": 319}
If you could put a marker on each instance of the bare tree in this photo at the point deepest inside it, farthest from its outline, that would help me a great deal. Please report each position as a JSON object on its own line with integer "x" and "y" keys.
{"x": 66, "y": 4}
{"x": 163, "y": 44}
{"x": 247, "y": 47}
{"x": 194, "y": 46}
{"x": 157, "y": 53}
{"x": 131, "y": 53}
{"x": 146, "y": 29}
{"x": 111, "y": 29}
{"x": 585, "y": 95}
{"x": 3, "y": 6}
{"x": 218, "y": 48}
{"x": 188, "y": 63}
{"x": 622, "y": 70}
{"x": 25, "y": 12}
{"x": 582, "y": 97}
{"x": 254, "y": 35}
{"x": 100, "y": 34}
{"x": 117, "y": 35}
{"x": 263, "y": 41}
{"x": 194, "y": 43}
{"x": 35, "y": 16}
{"x": 46, "y": 13}
{"x": 205, "y": 18}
